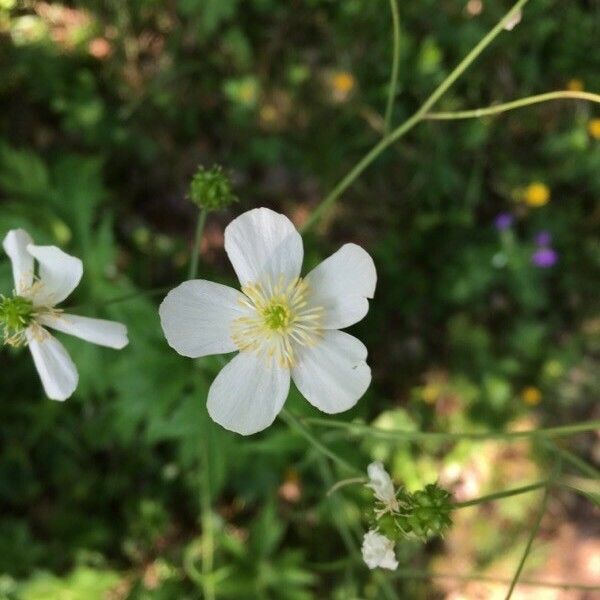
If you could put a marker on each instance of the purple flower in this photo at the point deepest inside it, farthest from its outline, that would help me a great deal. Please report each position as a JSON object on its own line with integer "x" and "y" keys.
{"x": 544, "y": 258}
{"x": 543, "y": 238}
{"x": 503, "y": 221}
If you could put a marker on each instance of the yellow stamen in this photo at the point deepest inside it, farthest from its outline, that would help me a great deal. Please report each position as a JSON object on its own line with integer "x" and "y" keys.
{"x": 278, "y": 319}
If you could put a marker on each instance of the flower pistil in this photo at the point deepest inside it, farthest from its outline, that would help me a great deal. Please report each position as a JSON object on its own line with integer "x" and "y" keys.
{"x": 16, "y": 315}
{"x": 278, "y": 317}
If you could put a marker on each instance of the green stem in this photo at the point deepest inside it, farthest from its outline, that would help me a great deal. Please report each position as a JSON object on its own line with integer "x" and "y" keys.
{"x": 535, "y": 528}
{"x": 415, "y": 574}
{"x": 295, "y": 424}
{"x": 533, "y": 533}
{"x": 344, "y": 482}
{"x": 576, "y": 462}
{"x": 195, "y": 258}
{"x": 208, "y": 538}
{"x": 506, "y": 106}
{"x": 411, "y": 573}
{"x": 402, "y": 129}
{"x": 395, "y": 66}
{"x": 398, "y": 434}
{"x": 503, "y": 494}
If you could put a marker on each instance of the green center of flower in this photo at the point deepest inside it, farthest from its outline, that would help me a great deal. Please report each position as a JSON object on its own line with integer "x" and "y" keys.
{"x": 277, "y": 315}
{"x": 278, "y": 319}
{"x": 16, "y": 315}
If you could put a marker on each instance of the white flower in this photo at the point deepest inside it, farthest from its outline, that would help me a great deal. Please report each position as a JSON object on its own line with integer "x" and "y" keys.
{"x": 282, "y": 325}
{"x": 33, "y": 307}
{"x": 382, "y": 486}
{"x": 378, "y": 551}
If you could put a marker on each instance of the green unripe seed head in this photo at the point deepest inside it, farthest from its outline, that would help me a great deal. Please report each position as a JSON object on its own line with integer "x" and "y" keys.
{"x": 211, "y": 189}
{"x": 16, "y": 314}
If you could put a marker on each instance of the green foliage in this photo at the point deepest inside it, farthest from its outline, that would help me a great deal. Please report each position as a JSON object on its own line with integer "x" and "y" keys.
{"x": 107, "y": 108}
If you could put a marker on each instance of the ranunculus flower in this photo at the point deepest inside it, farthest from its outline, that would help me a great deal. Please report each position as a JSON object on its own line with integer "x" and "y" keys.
{"x": 378, "y": 551}
{"x": 283, "y": 326}
{"x": 33, "y": 307}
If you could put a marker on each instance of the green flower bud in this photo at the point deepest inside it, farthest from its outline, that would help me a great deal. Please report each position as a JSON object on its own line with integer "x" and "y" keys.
{"x": 211, "y": 189}
{"x": 430, "y": 511}
{"x": 424, "y": 514}
{"x": 16, "y": 314}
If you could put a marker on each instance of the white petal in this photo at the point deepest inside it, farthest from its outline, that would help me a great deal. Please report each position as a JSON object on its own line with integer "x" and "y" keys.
{"x": 96, "y": 331}
{"x": 196, "y": 318}
{"x": 262, "y": 244}
{"x": 341, "y": 284}
{"x": 60, "y": 274}
{"x": 54, "y": 365}
{"x": 332, "y": 375}
{"x": 381, "y": 483}
{"x": 15, "y": 245}
{"x": 378, "y": 551}
{"x": 248, "y": 394}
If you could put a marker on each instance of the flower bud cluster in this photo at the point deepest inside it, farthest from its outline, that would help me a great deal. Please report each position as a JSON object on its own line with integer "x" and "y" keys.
{"x": 399, "y": 514}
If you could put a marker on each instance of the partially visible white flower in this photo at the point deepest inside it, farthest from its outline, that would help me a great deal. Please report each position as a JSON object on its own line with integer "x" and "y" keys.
{"x": 383, "y": 488}
{"x": 514, "y": 20}
{"x": 33, "y": 307}
{"x": 283, "y": 326}
{"x": 378, "y": 551}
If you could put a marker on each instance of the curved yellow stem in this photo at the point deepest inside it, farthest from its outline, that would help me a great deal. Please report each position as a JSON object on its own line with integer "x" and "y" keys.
{"x": 514, "y": 104}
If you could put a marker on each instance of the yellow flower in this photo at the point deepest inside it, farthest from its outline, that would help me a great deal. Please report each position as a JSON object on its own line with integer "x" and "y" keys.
{"x": 594, "y": 128}
{"x": 536, "y": 194}
{"x": 575, "y": 85}
{"x": 343, "y": 82}
{"x": 531, "y": 395}
{"x": 430, "y": 393}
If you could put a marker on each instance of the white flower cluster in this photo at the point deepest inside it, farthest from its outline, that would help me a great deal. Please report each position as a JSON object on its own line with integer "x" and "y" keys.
{"x": 377, "y": 549}
{"x": 283, "y": 326}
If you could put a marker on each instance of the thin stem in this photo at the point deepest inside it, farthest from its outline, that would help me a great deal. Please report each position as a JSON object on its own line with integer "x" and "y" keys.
{"x": 402, "y": 129}
{"x": 411, "y": 573}
{"x": 208, "y": 538}
{"x": 533, "y": 533}
{"x": 398, "y": 434}
{"x": 576, "y": 462}
{"x": 504, "y": 494}
{"x": 294, "y": 423}
{"x": 338, "y": 517}
{"x": 195, "y": 258}
{"x": 206, "y": 516}
{"x": 395, "y": 66}
{"x": 414, "y": 574}
{"x": 534, "y": 530}
{"x": 514, "y": 104}
{"x": 344, "y": 482}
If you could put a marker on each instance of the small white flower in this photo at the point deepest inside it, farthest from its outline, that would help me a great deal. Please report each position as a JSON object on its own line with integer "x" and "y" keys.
{"x": 378, "y": 551}
{"x": 383, "y": 488}
{"x": 33, "y": 307}
{"x": 282, "y": 325}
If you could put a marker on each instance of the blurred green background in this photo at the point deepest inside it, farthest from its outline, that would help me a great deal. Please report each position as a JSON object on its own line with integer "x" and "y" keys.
{"x": 106, "y": 110}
